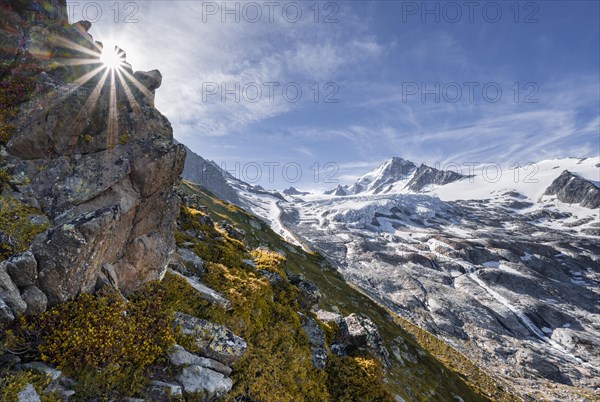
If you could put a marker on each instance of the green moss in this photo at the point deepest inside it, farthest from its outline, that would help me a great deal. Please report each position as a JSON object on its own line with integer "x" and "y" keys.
{"x": 16, "y": 230}
{"x": 4, "y": 179}
{"x": 268, "y": 260}
{"x": 102, "y": 341}
{"x": 6, "y": 132}
{"x": 178, "y": 295}
{"x": 356, "y": 379}
{"x": 277, "y": 364}
{"x": 217, "y": 247}
{"x": 13, "y": 383}
{"x": 123, "y": 139}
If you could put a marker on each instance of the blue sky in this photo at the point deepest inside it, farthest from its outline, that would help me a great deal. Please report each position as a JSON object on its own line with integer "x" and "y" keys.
{"x": 418, "y": 80}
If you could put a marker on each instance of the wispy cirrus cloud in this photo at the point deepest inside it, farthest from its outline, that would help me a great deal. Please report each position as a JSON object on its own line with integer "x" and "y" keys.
{"x": 370, "y": 55}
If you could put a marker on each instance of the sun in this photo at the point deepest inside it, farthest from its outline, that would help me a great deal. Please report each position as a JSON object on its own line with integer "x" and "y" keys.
{"x": 112, "y": 57}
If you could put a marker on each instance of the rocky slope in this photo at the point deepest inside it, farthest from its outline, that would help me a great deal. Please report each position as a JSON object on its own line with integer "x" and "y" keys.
{"x": 88, "y": 156}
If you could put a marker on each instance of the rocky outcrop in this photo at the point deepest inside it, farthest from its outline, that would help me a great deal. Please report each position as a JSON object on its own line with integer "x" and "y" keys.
{"x": 426, "y": 176}
{"x": 294, "y": 191}
{"x": 339, "y": 191}
{"x": 191, "y": 261}
{"x": 200, "y": 377}
{"x": 99, "y": 163}
{"x": 573, "y": 189}
{"x": 316, "y": 338}
{"x": 179, "y": 357}
{"x": 209, "y": 384}
{"x": 205, "y": 375}
{"x": 214, "y": 341}
{"x": 11, "y": 302}
{"x": 356, "y": 333}
{"x": 309, "y": 294}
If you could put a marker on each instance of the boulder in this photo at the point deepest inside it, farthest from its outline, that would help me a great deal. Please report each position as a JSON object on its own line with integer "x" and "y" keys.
{"x": 208, "y": 384}
{"x": 163, "y": 391}
{"x": 231, "y": 231}
{"x": 359, "y": 332}
{"x": 328, "y": 316}
{"x": 191, "y": 261}
{"x": 309, "y": 292}
{"x": 178, "y": 357}
{"x": 35, "y": 299}
{"x": 273, "y": 278}
{"x": 22, "y": 268}
{"x": 213, "y": 340}
{"x": 6, "y": 314}
{"x": 316, "y": 338}
{"x": 28, "y": 394}
{"x": 208, "y": 294}
{"x": 10, "y": 295}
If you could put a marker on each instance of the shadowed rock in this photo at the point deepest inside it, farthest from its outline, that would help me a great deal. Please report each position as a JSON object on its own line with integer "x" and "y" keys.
{"x": 573, "y": 189}
{"x": 102, "y": 173}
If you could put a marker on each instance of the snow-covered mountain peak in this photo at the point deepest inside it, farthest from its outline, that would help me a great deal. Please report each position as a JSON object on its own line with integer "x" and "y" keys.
{"x": 393, "y": 171}
{"x": 399, "y": 176}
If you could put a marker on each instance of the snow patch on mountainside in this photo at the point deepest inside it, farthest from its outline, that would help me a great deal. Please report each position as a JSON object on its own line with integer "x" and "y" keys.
{"x": 531, "y": 181}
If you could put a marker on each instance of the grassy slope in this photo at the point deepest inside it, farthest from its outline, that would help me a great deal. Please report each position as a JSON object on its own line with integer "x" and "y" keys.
{"x": 439, "y": 373}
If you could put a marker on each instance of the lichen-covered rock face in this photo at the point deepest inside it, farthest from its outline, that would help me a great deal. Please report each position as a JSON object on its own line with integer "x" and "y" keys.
{"x": 206, "y": 383}
{"x": 316, "y": 338}
{"x": 97, "y": 159}
{"x": 213, "y": 341}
